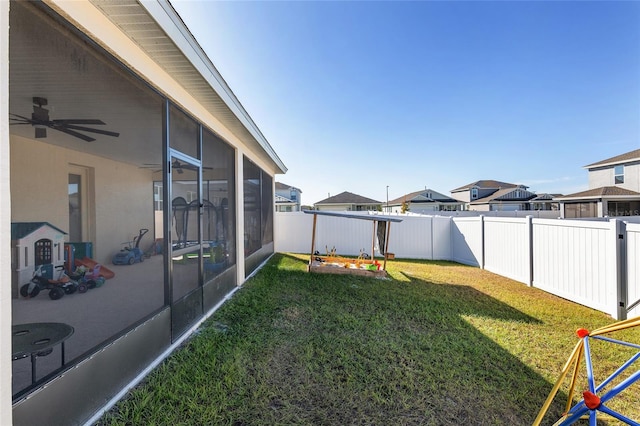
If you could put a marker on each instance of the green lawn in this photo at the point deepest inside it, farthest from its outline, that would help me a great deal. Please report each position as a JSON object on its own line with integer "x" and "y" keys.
{"x": 437, "y": 344}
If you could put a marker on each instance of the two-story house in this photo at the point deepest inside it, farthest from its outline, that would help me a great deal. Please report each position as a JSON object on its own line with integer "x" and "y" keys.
{"x": 614, "y": 189}
{"x": 424, "y": 201}
{"x": 493, "y": 195}
{"x": 287, "y": 198}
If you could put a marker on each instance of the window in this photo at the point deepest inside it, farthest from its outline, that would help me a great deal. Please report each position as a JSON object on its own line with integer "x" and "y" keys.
{"x": 293, "y": 195}
{"x": 258, "y": 207}
{"x": 157, "y": 196}
{"x": 623, "y": 208}
{"x": 42, "y": 251}
{"x": 618, "y": 175}
{"x": 575, "y": 210}
{"x": 474, "y": 193}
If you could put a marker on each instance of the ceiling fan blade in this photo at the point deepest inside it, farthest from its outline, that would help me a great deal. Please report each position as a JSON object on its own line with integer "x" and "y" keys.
{"x": 73, "y": 133}
{"x": 79, "y": 121}
{"x": 89, "y": 129}
{"x": 16, "y": 117}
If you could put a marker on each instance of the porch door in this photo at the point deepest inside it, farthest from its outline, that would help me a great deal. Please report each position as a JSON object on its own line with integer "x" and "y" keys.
{"x": 186, "y": 242}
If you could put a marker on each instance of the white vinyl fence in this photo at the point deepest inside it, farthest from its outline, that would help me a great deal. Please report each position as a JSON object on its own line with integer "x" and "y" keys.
{"x": 592, "y": 262}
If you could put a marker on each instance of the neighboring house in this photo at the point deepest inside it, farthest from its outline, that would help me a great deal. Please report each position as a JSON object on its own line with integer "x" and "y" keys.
{"x": 424, "y": 201}
{"x": 287, "y": 198}
{"x": 347, "y": 201}
{"x": 115, "y": 121}
{"x": 614, "y": 189}
{"x": 545, "y": 202}
{"x": 492, "y": 195}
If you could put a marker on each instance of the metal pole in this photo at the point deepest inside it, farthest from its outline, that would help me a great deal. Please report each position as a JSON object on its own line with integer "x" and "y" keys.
{"x": 387, "y": 198}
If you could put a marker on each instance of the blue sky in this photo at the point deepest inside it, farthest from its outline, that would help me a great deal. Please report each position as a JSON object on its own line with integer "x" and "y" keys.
{"x": 355, "y": 96}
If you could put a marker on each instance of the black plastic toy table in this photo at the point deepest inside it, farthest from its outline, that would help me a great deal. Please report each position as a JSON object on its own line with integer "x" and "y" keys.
{"x": 38, "y": 339}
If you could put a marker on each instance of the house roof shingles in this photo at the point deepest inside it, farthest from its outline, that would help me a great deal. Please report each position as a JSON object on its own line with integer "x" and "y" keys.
{"x": 622, "y": 158}
{"x": 505, "y": 194}
{"x": 284, "y": 186}
{"x": 485, "y": 184}
{"x": 603, "y": 191}
{"x": 422, "y": 197}
{"x": 348, "y": 198}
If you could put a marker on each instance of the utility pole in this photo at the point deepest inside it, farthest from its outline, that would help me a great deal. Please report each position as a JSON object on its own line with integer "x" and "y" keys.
{"x": 387, "y": 198}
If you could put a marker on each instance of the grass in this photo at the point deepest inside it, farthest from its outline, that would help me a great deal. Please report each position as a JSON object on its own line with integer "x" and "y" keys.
{"x": 437, "y": 344}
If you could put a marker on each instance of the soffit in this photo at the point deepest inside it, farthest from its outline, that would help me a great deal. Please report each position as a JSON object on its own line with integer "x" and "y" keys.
{"x": 136, "y": 21}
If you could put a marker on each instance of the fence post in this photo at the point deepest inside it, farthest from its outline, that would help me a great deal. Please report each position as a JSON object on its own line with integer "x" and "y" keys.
{"x": 621, "y": 268}
{"x": 482, "y": 249}
{"x": 530, "y": 249}
{"x": 451, "y": 223}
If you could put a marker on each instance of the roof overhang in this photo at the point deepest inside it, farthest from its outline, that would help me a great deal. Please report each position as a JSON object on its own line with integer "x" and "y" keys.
{"x": 150, "y": 38}
{"x": 600, "y": 198}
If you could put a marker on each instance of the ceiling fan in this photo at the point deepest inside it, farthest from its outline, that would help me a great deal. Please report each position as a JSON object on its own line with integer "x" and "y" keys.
{"x": 40, "y": 120}
{"x": 176, "y": 164}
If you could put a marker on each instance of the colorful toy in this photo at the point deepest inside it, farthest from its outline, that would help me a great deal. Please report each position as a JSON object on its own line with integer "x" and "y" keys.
{"x": 57, "y": 287}
{"x": 131, "y": 254}
{"x": 596, "y": 396}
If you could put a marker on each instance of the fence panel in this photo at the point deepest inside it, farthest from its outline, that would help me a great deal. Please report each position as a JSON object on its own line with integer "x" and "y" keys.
{"x": 411, "y": 238}
{"x": 466, "y": 240}
{"x": 348, "y": 236}
{"x": 507, "y": 249}
{"x": 576, "y": 260}
{"x": 292, "y": 232}
{"x": 441, "y": 248}
{"x": 633, "y": 268}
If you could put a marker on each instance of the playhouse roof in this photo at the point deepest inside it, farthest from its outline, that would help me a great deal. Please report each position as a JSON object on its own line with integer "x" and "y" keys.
{"x": 22, "y": 229}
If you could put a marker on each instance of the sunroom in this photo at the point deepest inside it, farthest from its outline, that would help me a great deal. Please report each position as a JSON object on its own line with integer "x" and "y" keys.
{"x": 125, "y": 141}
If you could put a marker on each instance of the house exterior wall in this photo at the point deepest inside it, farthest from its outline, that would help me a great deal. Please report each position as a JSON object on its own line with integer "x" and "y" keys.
{"x": 5, "y": 222}
{"x": 292, "y": 206}
{"x": 480, "y": 207}
{"x": 464, "y": 196}
{"x": 333, "y": 207}
{"x": 422, "y": 207}
{"x": 600, "y": 177}
{"x": 32, "y": 173}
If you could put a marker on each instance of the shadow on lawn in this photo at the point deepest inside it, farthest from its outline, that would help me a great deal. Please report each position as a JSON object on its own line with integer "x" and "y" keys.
{"x": 438, "y": 368}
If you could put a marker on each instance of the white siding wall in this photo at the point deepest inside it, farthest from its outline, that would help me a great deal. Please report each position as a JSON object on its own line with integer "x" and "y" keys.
{"x": 576, "y": 260}
{"x": 600, "y": 178}
{"x": 605, "y": 177}
{"x": 507, "y": 245}
{"x": 633, "y": 267}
